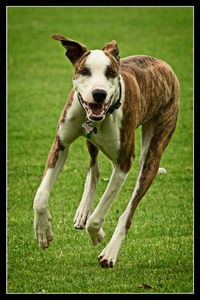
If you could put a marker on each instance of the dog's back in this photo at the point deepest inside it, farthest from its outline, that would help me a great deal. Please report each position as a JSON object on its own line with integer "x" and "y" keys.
{"x": 154, "y": 81}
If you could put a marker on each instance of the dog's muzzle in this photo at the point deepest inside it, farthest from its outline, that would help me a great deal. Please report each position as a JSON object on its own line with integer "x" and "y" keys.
{"x": 98, "y": 111}
{"x": 95, "y": 111}
{"x": 99, "y": 95}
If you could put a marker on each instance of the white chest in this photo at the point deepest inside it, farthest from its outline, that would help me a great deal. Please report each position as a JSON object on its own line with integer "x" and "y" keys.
{"x": 107, "y": 138}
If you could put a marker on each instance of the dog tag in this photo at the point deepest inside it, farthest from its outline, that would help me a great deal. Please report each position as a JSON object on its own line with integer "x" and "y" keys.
{"x": 89, "y": 135}
{"x": 89, "y": 130}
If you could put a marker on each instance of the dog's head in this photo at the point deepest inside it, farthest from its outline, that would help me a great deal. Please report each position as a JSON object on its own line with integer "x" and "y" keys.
{"x": 96, "y": 77}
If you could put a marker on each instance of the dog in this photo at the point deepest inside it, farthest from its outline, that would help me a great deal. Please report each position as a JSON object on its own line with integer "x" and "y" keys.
{"x": 110, "y": 98}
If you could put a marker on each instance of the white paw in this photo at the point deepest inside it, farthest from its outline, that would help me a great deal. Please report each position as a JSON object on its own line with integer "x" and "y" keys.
{"x": 94, "y": 229}
{"x": 108, "y": 257}
{"x": 96, "y": 236}
{"x": 82, "y": 214}
{"x": 42, "y": 228}
{"x": 161, "y": 171}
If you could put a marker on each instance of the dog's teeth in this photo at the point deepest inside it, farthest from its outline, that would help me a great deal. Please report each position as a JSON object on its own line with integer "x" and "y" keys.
{"x": 85, "y": 106}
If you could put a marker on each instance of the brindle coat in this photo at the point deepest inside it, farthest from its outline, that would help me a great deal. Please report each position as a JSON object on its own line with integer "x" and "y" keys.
{"x": 151, "y": 99}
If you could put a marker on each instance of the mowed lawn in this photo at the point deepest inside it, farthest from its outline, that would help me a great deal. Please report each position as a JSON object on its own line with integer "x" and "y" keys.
{"x": 158, "y": 250}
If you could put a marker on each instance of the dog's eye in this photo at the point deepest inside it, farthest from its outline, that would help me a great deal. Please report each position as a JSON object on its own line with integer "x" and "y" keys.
{"x": 85, "y": 72}
{"x": 110, "y": 73}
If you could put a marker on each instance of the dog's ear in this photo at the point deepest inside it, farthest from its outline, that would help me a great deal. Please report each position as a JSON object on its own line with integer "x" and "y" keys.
{"x": 74, "y": 49}
{"x": 112, "y": 49}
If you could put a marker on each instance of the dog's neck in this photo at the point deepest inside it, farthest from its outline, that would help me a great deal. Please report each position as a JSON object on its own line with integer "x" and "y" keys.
{"x": 117, "y": 103}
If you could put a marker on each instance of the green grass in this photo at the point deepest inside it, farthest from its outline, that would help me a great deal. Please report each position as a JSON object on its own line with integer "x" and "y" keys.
{"x": 158, "y": 250}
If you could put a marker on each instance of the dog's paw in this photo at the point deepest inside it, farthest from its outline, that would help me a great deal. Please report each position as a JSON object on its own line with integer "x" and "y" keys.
{"x": 81, "y": 216}
{"x": 42, "y": 226}
{"x": 94, "y": 229}
{"x": 96, "y": 237}
{"x": 108, "y": 257}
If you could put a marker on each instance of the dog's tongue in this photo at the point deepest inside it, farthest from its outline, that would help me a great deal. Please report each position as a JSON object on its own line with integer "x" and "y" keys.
{"x": 96, "y": 108}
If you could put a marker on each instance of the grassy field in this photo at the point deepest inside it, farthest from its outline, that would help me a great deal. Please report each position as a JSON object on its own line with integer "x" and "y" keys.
{"x": 158, "y": 250}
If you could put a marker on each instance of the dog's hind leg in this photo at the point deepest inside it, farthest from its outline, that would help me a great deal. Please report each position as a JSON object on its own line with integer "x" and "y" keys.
{"x": 85, "y": 207}
{"x": 121, "y": 168}
{"x": 156, "y": 136}
{"x": 95, "y": 222}
{"x": 143, "y": 142}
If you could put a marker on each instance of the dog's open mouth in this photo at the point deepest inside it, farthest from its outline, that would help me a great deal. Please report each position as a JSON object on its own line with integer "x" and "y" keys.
{"x": 95, "y": 111}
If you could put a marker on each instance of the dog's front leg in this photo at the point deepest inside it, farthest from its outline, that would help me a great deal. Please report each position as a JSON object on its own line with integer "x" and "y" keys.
{"x": 85, "y": 208}
{"x": 95, "y": 222}
{"x": 42, "y": 217}
{"x": 69, "y": 128}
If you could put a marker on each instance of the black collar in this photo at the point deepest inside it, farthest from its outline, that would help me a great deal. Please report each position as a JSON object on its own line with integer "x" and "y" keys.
{"x": 87, "y": 125}
{"x": 117, "y": 104}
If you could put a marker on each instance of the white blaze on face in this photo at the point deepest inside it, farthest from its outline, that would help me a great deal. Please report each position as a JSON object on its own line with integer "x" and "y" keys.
{"x": 97, "y": 62}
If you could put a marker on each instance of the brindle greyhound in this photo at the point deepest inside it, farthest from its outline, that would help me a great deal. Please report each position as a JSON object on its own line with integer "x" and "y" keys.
{"x": 110, "y": 98}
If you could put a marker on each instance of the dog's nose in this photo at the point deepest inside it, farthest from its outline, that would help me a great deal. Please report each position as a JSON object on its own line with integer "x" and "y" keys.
{"x": 99, "y": 95}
